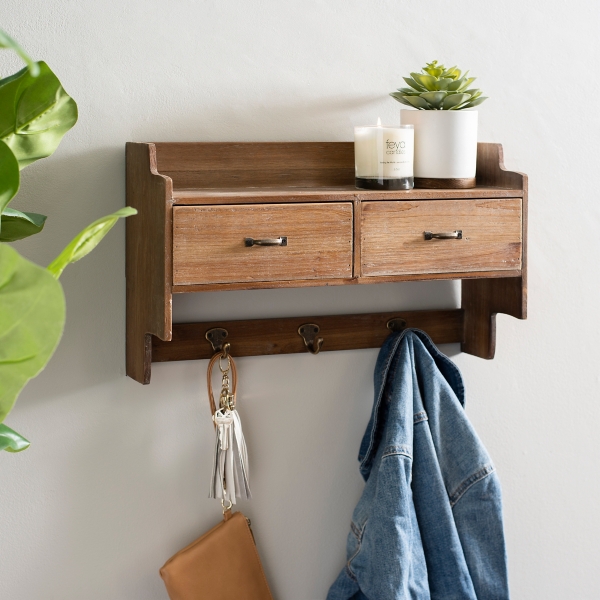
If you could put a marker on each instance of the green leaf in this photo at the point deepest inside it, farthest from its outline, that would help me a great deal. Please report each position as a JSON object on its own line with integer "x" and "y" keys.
{"x": 452, "y": 73}
{"x": 454, "y": 100}
{"x": 414, "y": 84}
{"x": 7, "y": 42}
{"x": 10, "y": 177}
{"x": 402, "y": 98}
{"x": 35, "y": 114}
{"x": 11, "y": 441}
{"x": 466, "y": 83}
{"x": 475, "y": 102}
{"x": 474, "y": 93}
{"x": 434, "y": 98}
{"x": 87, "y": 240}
{"x": 434, "y": 69}
{"x": 444, "y": 82}
{"x": 418, "y": 102}
{"x": 32, "y": 317}
{"x": 459, "y": 84}
{"x": 408, "y": 92}
{"x": 16, "y": 225}
{"x": 427, "y": 81}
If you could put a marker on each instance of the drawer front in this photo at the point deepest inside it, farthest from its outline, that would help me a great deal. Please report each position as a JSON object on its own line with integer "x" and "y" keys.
{"x": 209, "y": 242}
{"x": 393, "y": 240}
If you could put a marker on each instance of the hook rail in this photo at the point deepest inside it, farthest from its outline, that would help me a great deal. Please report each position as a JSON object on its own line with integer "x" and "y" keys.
{"x": 259, "y": 337}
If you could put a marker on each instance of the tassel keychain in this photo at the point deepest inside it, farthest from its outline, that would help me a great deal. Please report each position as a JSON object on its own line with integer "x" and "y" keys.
{"x": 230, "y": 464}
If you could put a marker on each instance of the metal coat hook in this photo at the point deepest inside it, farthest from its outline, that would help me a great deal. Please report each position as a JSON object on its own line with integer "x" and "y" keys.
{"x": 396, "y": 324}
{"x": 216, "y": 337}
{"x": 309, "y": 331}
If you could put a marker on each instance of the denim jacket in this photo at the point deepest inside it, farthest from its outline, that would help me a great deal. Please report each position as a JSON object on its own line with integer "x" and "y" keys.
{"x": 429, "y": 522}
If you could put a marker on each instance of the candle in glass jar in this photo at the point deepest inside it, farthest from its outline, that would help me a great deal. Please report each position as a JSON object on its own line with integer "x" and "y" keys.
{"x": 383, "y": 157}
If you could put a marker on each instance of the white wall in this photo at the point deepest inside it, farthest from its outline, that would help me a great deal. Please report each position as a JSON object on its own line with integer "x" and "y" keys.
{"x": 117, "y": 475}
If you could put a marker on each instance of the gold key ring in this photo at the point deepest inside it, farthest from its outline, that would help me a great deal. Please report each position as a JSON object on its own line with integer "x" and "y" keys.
{"x": 225, "y": 354}
{"x": 233, "y": 382}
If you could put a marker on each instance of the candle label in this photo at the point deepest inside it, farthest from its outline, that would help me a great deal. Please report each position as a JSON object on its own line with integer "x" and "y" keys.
{"x": 384, "y": 152}
{"x": 397, "y": 159}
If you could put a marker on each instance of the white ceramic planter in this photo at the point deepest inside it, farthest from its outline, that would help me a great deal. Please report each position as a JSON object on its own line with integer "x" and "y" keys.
{"x": 445, "y": 144}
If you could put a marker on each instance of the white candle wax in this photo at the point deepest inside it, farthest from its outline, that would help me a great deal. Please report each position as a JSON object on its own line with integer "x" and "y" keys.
{"x": 384, "y": 152}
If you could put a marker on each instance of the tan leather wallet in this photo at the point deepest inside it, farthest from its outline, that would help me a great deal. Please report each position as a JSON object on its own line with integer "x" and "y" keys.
{"x": 223, "y": 564}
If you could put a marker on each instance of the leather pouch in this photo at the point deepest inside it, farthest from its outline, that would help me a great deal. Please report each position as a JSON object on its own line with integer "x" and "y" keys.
{"x": 223, "y": 564}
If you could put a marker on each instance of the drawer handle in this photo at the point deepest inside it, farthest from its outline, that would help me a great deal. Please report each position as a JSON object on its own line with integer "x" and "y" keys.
{"x": 445, "y": 235}
{"x": 280, "y": 241}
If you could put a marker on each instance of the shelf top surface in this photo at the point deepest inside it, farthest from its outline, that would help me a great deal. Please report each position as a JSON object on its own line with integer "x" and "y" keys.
{"x": 331, "y": 194}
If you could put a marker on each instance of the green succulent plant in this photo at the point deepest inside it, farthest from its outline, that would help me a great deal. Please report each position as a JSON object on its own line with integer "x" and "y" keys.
{"x": 438, "y": 88}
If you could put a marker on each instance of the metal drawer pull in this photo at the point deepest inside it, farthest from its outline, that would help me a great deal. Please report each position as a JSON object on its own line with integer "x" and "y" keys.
{"x": 447, "y": 235}
{"x": 280, "y": 241}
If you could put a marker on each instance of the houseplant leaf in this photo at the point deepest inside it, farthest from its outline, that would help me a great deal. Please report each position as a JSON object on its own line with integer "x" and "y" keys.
{"x": 427, "y": 81}
{"x": 434, "y": 98}
{"x": 7, "y": 42}
{"x": 418, "y": 102}
{"x": 32, "y": 317}
{"x": 35, "y": 113}
{"x": 87, "y": 240}
{"x": 16, "y": 225}
{"x": 11, "y": 441}
{"x": 9, "y": 175}
{"x": 414, "y": 84}
{"x": 454, "y": 100}
{"x": 444, "y": 82}
{"x": 408, "y": 92}
{"x": 401, "y": 98}
{"x": 475, "y": 102}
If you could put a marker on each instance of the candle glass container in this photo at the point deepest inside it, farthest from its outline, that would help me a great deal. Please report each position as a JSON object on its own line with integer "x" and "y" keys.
{"x": 383, "y": 157}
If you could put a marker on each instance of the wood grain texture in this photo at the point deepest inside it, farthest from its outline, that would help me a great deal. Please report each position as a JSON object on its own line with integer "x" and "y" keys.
{"x": 444, "y": 184}
{"x": 280, "y": 336}
{"x": 393, "y": 242}
{"x": 492, "y": 172}
{"x": 267, "y": 164}
{"x": 483, "y": 299}
{"x": 261, "y": 195}
{"x": 300, "y": 283}
{"x": 356, "y": 268}
{"x": 209, "y": 242}
{"x": 148, "y": 262}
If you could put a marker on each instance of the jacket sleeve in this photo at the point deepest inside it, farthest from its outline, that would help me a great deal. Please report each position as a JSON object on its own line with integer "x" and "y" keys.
{"x": 389, "y": 563}
{"x": 478, "y": 517}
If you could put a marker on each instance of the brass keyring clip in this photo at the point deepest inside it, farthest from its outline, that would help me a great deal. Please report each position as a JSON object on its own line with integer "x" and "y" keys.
{"x": 229, "y": 383}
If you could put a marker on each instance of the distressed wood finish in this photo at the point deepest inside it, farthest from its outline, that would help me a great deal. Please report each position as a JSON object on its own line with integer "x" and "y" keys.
{"x": 483, "y": 299}
{"x": 266, "y": 164}
{"x": 393, "y": 242}
{"x": 280, "y": 336}
{"x": 443, "y": 184}
{"x": 300, "y": 283}
{"x": 261, "y": 194}
{"x": 208, "y": 243}
{"x": 148, "y": 264}
{"x": 238, "y": 179}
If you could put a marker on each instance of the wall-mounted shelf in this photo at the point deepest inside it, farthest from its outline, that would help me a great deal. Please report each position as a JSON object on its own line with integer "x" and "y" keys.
{"x": 199, "y": 203}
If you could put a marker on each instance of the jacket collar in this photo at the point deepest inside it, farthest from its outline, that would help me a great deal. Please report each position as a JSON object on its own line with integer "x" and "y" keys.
{"x": 389, "y": 352}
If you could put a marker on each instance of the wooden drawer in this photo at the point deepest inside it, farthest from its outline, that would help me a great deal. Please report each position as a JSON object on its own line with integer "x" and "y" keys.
{"x": 209, "y": 242}
{"x": 393, "y": 241}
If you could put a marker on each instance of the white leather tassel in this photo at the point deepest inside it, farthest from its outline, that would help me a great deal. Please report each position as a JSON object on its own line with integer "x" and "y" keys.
{"x": 230, "y": 465}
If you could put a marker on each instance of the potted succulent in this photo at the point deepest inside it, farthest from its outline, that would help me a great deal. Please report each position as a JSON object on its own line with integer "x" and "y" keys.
{"x": 445, "y": 130}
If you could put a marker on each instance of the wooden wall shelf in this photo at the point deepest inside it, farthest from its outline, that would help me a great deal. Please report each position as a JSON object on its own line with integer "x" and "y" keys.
{"x": 198, "y": 202}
